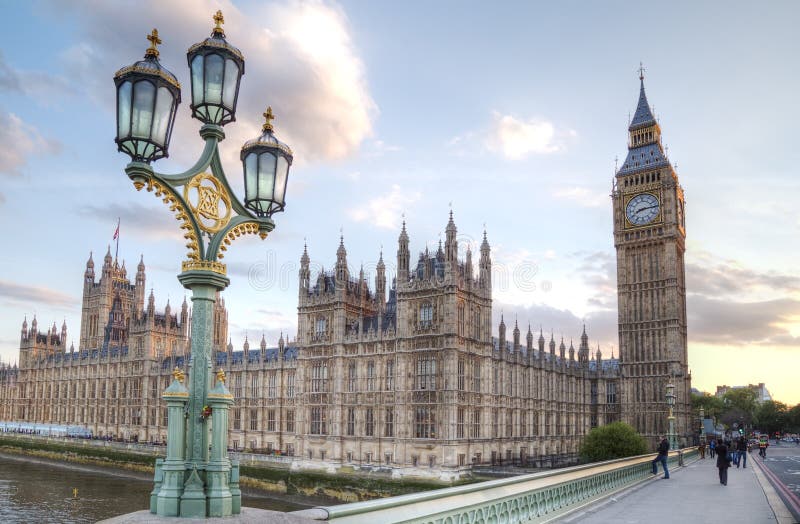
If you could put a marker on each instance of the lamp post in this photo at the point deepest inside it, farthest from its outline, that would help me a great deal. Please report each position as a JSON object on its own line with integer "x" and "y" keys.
{"x": 702, "y": 425}
{"x": 192, "y": 484}
{"x": 673, "y": 444}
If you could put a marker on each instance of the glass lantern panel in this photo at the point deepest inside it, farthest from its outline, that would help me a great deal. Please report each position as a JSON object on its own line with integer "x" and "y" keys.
{"x": 266, "y": 176}
{"x": 197, "y": 80}
{"x": 162, "y": 116}
{"x": 214, "y": 72}
{"x": 280, "y": 180}
{"x": 144, "y": 94}
{"x": 124, "y": 110}
{"x": 250, "y": 176}
{"x": 231, "y": 83}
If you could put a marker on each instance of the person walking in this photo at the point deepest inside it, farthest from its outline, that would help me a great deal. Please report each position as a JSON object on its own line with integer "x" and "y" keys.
{"x": 742, "y": 448}
{"x": 702, "y": 449}
{"x": 762, "y": 448}
{"x": 722, "y": 463}
{"x": 712, "y": 447}
{"x": 663, "y": 452}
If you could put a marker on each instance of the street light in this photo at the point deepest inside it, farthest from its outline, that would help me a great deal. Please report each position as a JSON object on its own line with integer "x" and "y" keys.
{"x": 193, "y": 481}
{"x": 702, "y": 425}
{"x": 671, "y": 403}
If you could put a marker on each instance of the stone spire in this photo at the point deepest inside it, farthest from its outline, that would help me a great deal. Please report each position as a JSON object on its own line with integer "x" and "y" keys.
{"x": 305, "y": 271}
{"x": 451, "y": 244}
{"x": 380, "y": 284}
{"x": 502, "y": 333}
{"x": 516, "y": 336}
{"x": 485, "y": 275}
{"x": 89, "y": 274}
{"x": 529, "y": 340}
{"x": 583, "y": 349}
{"x": 342, "y": 273}
{"x": 552, "y": 345}
{"x": 403, "y": 256}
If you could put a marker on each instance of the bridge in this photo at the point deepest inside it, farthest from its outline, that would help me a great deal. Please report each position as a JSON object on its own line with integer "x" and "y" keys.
{"x": 623, "y": 490}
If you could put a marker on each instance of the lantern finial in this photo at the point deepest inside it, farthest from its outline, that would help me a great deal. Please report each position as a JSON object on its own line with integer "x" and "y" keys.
{"x": 152, "y": 51}
{"x": 219, "y": 20}
{"x": 269, "y": 117}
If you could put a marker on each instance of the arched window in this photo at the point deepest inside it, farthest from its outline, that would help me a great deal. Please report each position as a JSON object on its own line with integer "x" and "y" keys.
{"x": 426, "y": 314}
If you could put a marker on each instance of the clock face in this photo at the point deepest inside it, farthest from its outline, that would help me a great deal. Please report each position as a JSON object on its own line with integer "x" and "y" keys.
{"x": 642, "y": 209}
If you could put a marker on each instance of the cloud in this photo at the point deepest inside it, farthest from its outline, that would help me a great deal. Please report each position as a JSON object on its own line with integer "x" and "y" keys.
{"x": 18, "y": 141}
{"x": 384, "y": 211}
{"x": 516, "y": 139}
{"x": 582, "y": 196}
{"x": 300, "y": 59}
{"x": 708, "y": 276}
{"x": 36, "y": 295}
{"x": 143, "y": 221}
{"x": 725, "y": 322}
{"x": 40, "y": 86}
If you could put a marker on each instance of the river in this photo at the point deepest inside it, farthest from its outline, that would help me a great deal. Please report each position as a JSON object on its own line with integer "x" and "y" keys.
{"x": 33, "y": 490}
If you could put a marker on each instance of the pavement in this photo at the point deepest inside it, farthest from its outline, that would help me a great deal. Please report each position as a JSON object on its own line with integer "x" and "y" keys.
{"x": 692, "y": 494}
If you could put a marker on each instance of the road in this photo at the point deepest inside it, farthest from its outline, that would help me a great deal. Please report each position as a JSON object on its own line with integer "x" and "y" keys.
{"x": 782, "y": 469}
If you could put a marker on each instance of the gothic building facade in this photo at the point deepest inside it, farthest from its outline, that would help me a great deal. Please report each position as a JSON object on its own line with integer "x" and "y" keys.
{"x": 409, "y": 377}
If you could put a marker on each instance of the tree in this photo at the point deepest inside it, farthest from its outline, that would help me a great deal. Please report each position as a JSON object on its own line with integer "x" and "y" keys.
{"x": 772, "y": 416}
{"x": 793, "y": 419}
{"x": 615, "y": 440}
{"x": 742, "y": 401}
{"x": 712, "y": 405}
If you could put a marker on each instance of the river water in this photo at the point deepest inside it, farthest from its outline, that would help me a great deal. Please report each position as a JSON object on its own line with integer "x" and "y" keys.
{"x": 35, "y": 491}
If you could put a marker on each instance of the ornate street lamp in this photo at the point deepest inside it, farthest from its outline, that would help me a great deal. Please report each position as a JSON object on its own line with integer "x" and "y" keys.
{"x": 702, "y": 425}
{"x": 671, "y": 403}
{"x": 147, "y": 99}
{"x": 193, "y": 480}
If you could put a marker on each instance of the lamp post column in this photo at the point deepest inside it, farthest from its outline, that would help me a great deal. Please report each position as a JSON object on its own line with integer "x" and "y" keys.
{"x": 673, "y": 444}
{"x": 204, "y": 285}
{"x": 220, "y": 503}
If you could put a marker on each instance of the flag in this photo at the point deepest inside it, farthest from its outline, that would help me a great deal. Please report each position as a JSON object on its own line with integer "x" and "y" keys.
{"x": 116, "y": 232}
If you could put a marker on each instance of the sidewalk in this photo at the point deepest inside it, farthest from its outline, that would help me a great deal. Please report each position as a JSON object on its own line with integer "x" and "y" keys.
{"x": 692, "y": 494}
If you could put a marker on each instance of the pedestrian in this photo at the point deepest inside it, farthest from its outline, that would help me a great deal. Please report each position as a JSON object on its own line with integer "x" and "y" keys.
{"x": 663, "y": 452}
{"x": 742, "y": 448}
{"x": 722, "y": 463}
{"x": 712, "y": 447}
{"x": 702, "y": 449}
{"x": 762, "y": 448}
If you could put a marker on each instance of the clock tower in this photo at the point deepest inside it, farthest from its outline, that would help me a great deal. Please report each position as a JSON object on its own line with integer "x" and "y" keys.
{"x": 650, "y": 239}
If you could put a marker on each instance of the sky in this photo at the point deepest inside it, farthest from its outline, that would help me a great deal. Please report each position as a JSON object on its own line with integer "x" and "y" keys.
{"x": 512, "y": 116}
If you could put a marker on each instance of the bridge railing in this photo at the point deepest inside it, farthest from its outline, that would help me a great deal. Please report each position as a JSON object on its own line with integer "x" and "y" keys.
{"x": 537, "y": 497}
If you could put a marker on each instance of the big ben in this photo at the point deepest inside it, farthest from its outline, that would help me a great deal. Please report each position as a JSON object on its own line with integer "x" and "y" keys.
{"x": 650, "y": 239}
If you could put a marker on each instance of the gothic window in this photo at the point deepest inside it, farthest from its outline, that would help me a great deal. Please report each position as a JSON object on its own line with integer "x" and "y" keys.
{"x": 351, "y": 377}
{"x": 476, "y": 376}
{"x": 253, "y": 419}
{"x": 461, "y": 374}
{"x": 351, "y": 422}
{"x": 237, "y": 418}
{"x": 476, "y": 323}
{"x": 388, "y": 428}
{"x": 593, "y": 395}
{"x": 461, "y": 319}
{"x": 460, "y": 422}
{"x": 369, "y": 423}
{"x": 270, "y": 420}
{"x": 290, "y": 384}
{"x": 370, "y": 375}
{"x": 319, "y": 425}
{"x": 426, "y": 314}
{"x": 426, "y": 372}
{"x": 272, "y": 384}
{"x": 254, "y": 386}
{"x": 496, "y": 382}
{"x": 319, "y": 377}
{"x": 290, "y": 421}
{"x": 476, "y": 424}
{"x": 495, "y": 423}
{"x": 509, "y": 423}
{"x": 425, "y": 422}
{"x": 611, "y": 393}
{"x": 390, "y": 375}
{"x": 320, "y": 327}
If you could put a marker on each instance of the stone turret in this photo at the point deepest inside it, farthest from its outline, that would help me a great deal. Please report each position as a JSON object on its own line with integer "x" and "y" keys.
{"x": 403, "y": 256}
{"x": 485, "y": 275}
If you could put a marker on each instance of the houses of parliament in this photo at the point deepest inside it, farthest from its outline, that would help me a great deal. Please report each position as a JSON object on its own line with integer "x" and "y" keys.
{"x": 408, "y": 377}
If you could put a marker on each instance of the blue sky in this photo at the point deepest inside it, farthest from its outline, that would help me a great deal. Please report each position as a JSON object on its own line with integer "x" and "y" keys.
{"x": 511, "y": 113}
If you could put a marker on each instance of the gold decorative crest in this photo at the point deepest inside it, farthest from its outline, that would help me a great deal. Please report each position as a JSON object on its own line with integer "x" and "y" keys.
{"x": 208, "y": 201}
{"x": 178, "y": 375}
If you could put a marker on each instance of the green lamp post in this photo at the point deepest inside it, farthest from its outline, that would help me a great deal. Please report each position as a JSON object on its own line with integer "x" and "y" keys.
{"x": 673, "y": 443}
{"x": 191, "y": 483}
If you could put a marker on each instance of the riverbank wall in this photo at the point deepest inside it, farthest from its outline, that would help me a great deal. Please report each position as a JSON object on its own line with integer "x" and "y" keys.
{"x": 271, "y": 474}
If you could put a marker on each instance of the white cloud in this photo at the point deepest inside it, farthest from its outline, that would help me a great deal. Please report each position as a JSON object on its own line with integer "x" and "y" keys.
{"x": 19, "y": 140}
{"x": 384, "y": 211}
{"x": 300, "y": 59}
{"x": 582, "y": 196}
{"x": 516, "y": 139}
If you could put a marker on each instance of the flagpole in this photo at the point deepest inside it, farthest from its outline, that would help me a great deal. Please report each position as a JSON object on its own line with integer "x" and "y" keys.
{"x": 116, "y": 236}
